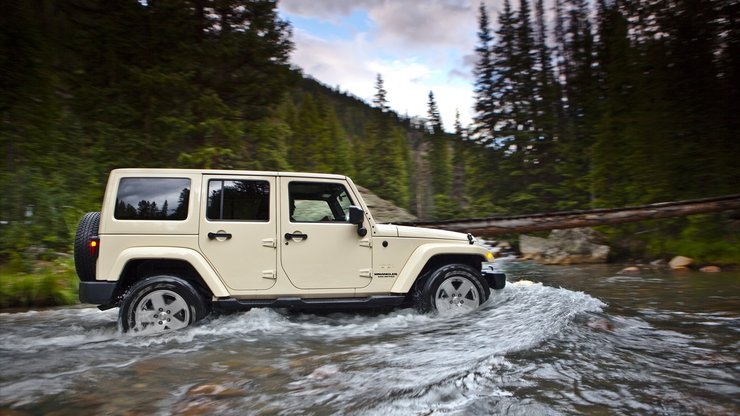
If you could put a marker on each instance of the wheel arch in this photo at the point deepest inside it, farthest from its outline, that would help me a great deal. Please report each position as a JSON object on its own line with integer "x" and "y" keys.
{"x": 429, "y": 257}
{"x": 138, "y": 263}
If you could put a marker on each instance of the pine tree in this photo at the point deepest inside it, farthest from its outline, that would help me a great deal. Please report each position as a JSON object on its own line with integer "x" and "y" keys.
{"x": 266, "y": 144}
{"x": 382, "y": 159}
{"x": 522, "y": 154}
{"x": 576, "y": 136}
{"x": 440, "y": 162}
{"x": 728, "y": 77}
{"x": 506, "y": 149}
{"x": 505, "y": 78}
{"x": 611, "y": 174}
{"x": 338, "y": 153}
{"x": 434, "y": 120}
{"x": 310, "y": 146}
{"x": 379, "y": 100}
{"x": 459, "y": 162}
{"x": 546, "y": 107}
{"x": 524, "y": 65}
{"x": 485, "y": 117}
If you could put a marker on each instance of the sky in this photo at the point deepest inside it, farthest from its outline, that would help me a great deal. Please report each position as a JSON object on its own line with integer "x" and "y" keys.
{"x": 417, "y": 46}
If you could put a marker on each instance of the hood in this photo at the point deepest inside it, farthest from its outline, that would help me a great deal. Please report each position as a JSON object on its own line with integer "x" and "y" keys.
{"x": 419, "y": 232}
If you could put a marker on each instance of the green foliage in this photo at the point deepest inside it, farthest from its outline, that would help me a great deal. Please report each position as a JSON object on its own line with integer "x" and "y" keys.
{"x": 207, "y": 158}
{"x": 708, "y": 239}
{"x": 626, "y": 116}
{"x": 705, "y": 238}
{"x": 383, "y": 167}
{"x": 445, "y": 207}
{"x": 52, "y": 284}
{"x": 440, "y": 162}
{"x": 269, "y": 147}
{"x": 129, "y": 84}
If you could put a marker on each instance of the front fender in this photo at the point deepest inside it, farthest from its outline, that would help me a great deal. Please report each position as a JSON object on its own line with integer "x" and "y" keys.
{"x": 424, "y": 253}
{"x": 200, "y": 264}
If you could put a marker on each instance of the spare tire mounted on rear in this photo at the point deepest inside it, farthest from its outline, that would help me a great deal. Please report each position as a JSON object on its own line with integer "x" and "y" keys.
{"x": 84, "y": 258}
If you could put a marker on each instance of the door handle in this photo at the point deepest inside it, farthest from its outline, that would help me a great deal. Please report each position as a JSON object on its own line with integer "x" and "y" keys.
{"x": 290, "y": 236}
{"x": 213, "y": 236}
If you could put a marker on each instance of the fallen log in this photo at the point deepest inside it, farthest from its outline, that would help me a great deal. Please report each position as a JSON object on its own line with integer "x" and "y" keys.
{"x": 586, "y": 218}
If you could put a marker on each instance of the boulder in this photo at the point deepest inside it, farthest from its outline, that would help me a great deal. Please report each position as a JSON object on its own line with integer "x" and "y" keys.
{"x": 710, "y": 269}
{"x": 532, "y": 247}
{"x": 630, "y": 270}
{"x": 572, "y": 246}
{"x": 680, "y": 262}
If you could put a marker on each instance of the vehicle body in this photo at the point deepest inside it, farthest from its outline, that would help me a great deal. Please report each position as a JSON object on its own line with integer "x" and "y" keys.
{"x": 205, "y": 239}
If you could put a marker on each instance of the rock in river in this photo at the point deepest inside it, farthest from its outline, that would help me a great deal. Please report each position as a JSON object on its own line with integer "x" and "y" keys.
{"x": 573, "y": 246}
{"x": 680, "y": 262}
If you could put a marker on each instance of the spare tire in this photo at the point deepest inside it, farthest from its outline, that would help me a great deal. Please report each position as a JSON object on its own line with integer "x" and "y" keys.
{"x": 84, "y": 259}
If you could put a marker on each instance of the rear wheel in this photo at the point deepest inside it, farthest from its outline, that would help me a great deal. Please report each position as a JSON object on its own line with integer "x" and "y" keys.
{"x": 453, "y": 289}
{"x": 161, "y": 304}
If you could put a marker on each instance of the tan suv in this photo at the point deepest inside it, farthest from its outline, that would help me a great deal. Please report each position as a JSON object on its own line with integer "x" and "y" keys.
{"x": 171, "y": 245}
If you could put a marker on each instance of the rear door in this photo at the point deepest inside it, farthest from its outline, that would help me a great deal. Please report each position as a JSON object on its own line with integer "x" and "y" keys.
{"x": 320, "y": 248}
{"x": 238, "y": 229}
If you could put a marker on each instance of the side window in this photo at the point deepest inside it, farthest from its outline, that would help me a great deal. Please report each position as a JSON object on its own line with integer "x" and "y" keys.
{"x": 158, "y": 199}
{"x": 318, "y": 201}
{"x": 238, "y": 200}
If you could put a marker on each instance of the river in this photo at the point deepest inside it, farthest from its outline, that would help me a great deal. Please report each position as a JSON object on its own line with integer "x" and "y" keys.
{"x": 557, "y": 340}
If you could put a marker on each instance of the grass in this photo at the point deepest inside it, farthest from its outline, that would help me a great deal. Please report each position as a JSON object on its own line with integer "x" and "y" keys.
{"x": 48, "y": 284}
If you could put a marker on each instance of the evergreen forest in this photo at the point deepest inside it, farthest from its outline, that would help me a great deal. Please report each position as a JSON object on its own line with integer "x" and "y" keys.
{"x": 578, "y": 104}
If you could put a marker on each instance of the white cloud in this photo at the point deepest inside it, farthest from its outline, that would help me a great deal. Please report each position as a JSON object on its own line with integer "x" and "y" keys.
{"x": 342, "y": 63}
{"x": 417, "y": 46}
{"x": 327, "y": 10}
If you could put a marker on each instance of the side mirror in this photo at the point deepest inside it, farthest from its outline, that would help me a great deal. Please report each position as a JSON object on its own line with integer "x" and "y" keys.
{"x": 357, "y": 217}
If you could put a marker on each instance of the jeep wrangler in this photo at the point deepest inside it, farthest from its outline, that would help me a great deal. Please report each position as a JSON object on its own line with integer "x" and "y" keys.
{"x": 171, "y": 245}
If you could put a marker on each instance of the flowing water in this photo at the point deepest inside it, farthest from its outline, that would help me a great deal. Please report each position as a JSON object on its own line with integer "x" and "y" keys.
{"x": 557, "y": 340}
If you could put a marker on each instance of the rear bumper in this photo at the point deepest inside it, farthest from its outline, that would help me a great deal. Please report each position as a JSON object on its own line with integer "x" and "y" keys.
{"x": 494, "y": 279}
{"x": 97, "y": 293}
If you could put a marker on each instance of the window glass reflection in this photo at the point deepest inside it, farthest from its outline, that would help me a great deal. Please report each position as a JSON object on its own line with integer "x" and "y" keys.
{"x": 163, "y": 199}
{"x": 241, "y": 200}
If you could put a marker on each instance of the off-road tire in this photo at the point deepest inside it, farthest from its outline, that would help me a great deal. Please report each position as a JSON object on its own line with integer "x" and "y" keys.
{"x": 84, "y": 260}
{"x": 425, "y": 296}
{"x": 139, "y": 299}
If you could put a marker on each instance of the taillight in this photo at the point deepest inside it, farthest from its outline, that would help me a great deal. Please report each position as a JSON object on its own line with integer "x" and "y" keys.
{"x": 93, "y": 246}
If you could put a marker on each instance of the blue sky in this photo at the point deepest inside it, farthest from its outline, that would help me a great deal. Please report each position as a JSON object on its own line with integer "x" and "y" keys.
{"x": 417, "y": 46}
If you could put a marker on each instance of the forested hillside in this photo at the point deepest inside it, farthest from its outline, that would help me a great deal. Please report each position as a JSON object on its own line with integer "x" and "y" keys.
{"x": 612, "y": 103}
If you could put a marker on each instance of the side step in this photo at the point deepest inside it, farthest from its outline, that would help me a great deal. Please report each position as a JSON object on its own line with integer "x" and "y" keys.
{"x": 231, "y": 304}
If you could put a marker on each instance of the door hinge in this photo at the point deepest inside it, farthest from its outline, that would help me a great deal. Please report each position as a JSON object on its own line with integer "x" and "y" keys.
{"x": 268, "y": 274}
{"x": 366, "y": 273}
{"x": 366, "y": 243}
{"x": 269, "y": 242}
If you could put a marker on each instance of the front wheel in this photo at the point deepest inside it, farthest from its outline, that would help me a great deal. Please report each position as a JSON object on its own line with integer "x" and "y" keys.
{"x": 161, "y": 304}
{"x": 453, "y": 289}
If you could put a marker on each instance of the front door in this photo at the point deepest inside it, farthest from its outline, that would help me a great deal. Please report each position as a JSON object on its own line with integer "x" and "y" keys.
{"x": 238, "y": 229}
{"x": 320, "y": 248}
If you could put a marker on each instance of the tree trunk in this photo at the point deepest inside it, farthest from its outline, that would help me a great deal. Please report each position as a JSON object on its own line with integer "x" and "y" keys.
{"x": 589, "y": 218}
